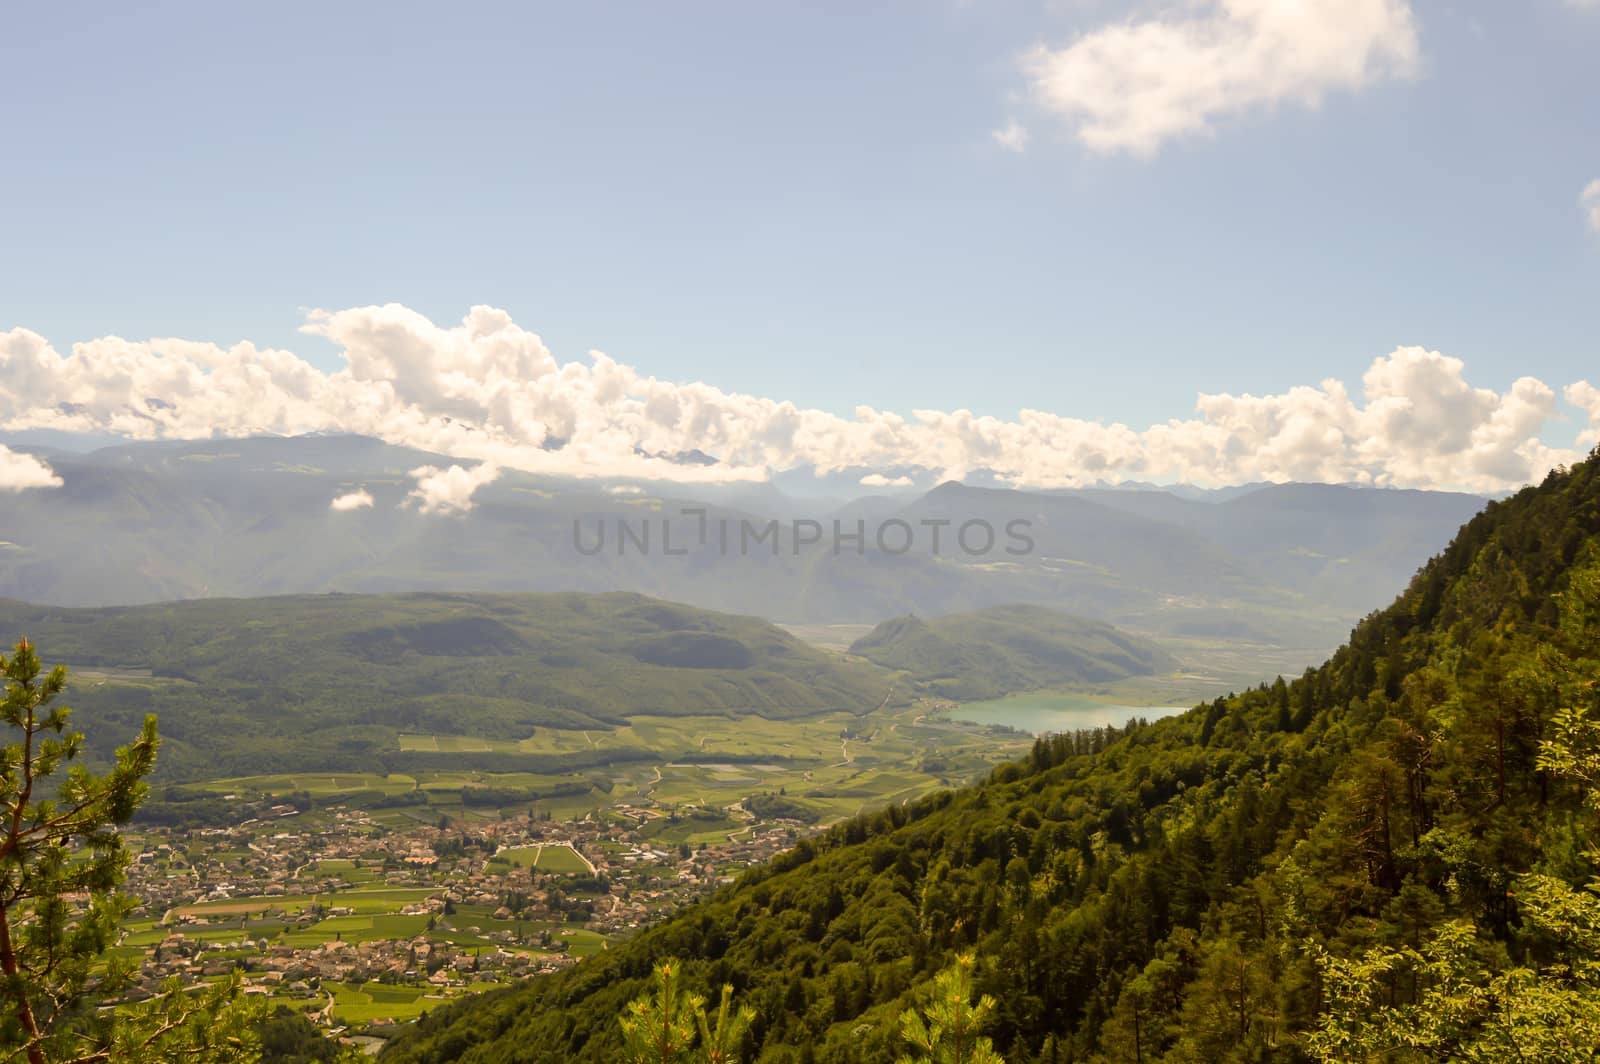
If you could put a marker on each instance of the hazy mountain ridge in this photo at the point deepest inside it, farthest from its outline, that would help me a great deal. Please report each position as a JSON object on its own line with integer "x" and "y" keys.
{"x": 150, "y": 522}
{"x": 996, "y": 651}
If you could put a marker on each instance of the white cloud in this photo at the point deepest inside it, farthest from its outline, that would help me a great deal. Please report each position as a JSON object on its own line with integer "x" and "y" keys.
{"x": 360, "y": 499}
{"x": 488, "y": 394}
{"x": 625, "y": 489}
{"x": 1590, "y": 200}
{"x": 878, "y": 480}
{"x": 1133, "y": 85}
{"x": 1013, "y": 136}
{"x": 20, "y": 471}
{"x": 1587, "y": 397}
{"x": 449, "y": 491}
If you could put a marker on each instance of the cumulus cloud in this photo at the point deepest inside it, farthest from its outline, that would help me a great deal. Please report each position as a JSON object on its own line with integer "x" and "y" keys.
{"x": 1013, "y": 136}
{"x": 360, "y": 499}
{"x": 449, "y": 491}
{"x": 19, "y": 472}
{"x": 1587, "y": 397}
{"x": 489, "y": 394}
{"x": 1133, "y": 85}
{"x": 878, "y": 480}
{"x": 1590, "y": 200}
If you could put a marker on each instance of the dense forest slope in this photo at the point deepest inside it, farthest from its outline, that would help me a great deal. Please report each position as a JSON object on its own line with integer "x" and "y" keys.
{"x": 991, "y": 652}
{"x": 1307, "y": 868}
{"x": 328, "y": 682}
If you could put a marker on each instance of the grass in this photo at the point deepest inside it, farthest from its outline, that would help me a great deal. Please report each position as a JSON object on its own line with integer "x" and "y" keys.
{"x": 362, "y": 901}
{"x": 374, "y": 1002}
{"x": 368, "y": 928}
{"x": 562, "y": 860}
{"x": 558, "y": 860}
{"x": 318, "y": 785}
{"x": 582, "y": 943}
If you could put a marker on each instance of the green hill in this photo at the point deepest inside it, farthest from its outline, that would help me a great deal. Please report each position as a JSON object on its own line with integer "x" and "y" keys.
{"x": 992, "y": 652}
{"x": 328, "y": 682}
{"x": 1370, "y": 851}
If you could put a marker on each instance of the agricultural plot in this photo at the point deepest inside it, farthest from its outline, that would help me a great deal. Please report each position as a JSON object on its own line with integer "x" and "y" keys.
{"x": 347, "y": 871}
{"x": 562, "y": 860}
{"x": 374, "y": 1003}
{"x": 558, "y": 860}
{"x": 318, "y": 785}
{"x": 364, "y": 902}
{"x": 354, "y": 929}
{"x": 452, "y": 744}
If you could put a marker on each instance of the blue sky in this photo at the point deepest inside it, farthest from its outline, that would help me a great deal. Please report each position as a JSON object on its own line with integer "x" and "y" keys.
{"x": 803, "y": 202}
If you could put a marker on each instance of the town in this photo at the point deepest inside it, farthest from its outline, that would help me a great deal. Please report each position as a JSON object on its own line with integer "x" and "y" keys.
{"x": 363, "y": 926}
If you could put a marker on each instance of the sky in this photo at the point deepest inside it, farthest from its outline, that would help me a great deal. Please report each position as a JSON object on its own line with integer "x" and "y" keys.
{"x": 1065, "y": 240}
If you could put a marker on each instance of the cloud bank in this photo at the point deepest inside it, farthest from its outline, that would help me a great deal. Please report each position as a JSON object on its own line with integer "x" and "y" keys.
{"x": 19, "y": 472}
{"x": 488, "y": 393}
{"x": 1134, "y": 85}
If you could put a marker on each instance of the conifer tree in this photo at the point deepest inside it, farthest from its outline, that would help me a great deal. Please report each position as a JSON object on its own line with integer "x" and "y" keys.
{"x": 949, "y": 1033}
{"x": 62, "y": 860}
{"x": 719, "y": 1041}
{"x": 662, "y": 1029}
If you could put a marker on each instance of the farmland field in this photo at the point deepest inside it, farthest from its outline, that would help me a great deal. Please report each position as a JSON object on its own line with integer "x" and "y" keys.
{"x": 834, "y": 764}
{"x": 318, "y": 785}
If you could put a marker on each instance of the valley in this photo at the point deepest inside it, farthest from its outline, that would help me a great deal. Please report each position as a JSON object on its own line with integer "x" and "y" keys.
{"x": 943, "y": 533}
{"x": 369, "y": 807}
{"x": 365, "y": 899}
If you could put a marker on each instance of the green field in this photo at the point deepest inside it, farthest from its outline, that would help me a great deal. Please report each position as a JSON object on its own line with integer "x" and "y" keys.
{"x": 379, "y": 900}
{"x": 369, "y": 928}
{"x": 318, "y": 785}
{"x": 374, "y": 1003}
{"x": 560, "y": 860}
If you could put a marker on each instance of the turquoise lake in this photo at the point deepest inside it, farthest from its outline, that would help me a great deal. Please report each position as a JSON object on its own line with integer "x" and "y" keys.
{"x": 1043, "y": 713}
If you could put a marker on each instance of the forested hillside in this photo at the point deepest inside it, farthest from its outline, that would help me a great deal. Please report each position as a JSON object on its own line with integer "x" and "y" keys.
{"x": 992, "y": 652}
{"x": 328, "y": 682}
{"x": 1367, "y": 862}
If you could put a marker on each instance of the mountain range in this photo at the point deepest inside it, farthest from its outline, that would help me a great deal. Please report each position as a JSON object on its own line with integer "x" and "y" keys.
{"x": 149, "y": 522}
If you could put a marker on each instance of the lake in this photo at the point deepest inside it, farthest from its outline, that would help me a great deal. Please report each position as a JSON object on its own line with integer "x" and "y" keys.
{"x": 1042, "y": 713}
